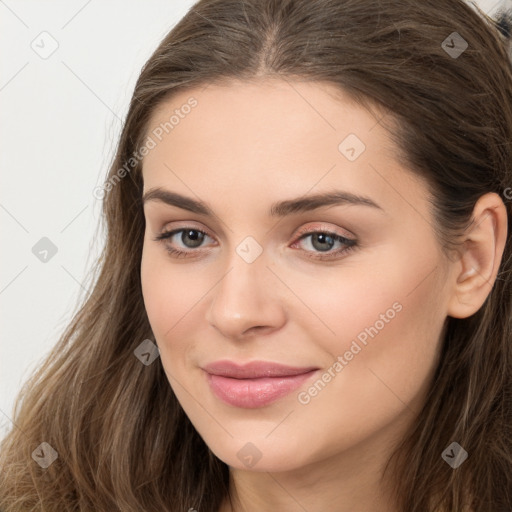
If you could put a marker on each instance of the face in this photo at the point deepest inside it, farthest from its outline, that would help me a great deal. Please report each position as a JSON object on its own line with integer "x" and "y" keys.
{"x": 350, "y": 293}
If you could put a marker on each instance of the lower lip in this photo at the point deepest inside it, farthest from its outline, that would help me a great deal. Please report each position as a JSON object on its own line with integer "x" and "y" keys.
{"x": 253, "y": 393}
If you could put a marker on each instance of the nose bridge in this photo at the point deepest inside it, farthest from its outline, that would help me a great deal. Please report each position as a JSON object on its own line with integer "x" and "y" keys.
{"x": 246, "y": 295}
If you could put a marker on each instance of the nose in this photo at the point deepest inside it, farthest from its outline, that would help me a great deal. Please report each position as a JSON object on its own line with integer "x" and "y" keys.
{"x": 247, "y": 300}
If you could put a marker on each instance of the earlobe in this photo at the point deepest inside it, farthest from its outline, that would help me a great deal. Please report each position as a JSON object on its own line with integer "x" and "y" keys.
{"x": 476, "y": 270}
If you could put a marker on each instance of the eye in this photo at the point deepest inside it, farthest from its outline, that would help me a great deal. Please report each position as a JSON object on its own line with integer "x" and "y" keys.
{"x": 190, "y": 237}
{"x": 324, "y": 241}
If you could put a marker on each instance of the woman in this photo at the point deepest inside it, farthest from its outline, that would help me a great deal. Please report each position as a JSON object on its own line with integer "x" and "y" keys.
{"x": 304, "y": 301}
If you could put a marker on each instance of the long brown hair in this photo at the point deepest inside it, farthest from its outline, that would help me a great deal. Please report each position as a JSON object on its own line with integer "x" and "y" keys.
{"x": 123, "y": 441}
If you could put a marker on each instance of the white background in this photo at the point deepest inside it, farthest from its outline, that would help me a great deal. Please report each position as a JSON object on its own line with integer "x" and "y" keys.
{"x": 61, "y": 117}
{"x": 60, "y": 120}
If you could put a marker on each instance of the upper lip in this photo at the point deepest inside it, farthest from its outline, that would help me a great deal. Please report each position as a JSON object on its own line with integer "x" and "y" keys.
{"x": 254, "y": 369}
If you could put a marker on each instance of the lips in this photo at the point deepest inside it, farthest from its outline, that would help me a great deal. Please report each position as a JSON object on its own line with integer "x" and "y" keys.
{"x": 255, "y": 384}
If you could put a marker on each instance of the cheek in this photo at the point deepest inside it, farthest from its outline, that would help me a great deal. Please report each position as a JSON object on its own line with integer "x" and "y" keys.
{"x": 391, "y": 304}
{"x": 387, "y": 361}
{"x": 163, "y": 290}
{"x": 172, "y": 299}
{"x": 387, "y": 327}
{"x": 163, "y": 282}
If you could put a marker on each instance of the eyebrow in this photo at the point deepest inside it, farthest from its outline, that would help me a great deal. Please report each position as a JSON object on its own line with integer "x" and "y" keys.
{"x": 279, "y": 209}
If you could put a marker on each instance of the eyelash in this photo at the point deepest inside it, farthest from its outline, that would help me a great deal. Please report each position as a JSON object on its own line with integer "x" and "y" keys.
{"x": 351, "y": 244}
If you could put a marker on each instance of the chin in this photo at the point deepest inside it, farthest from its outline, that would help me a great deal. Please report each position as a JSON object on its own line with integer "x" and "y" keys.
{"x": 259, "y": 456}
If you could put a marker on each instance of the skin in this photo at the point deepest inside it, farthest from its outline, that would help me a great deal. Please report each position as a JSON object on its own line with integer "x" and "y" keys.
{"x": 243, "y": 147}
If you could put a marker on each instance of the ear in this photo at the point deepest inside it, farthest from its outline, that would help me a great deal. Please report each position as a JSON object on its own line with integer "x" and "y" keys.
{"x": 482, "y": 250}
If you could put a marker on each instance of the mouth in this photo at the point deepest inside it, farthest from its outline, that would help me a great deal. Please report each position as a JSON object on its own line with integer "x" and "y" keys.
{"x": 255, "y": 384}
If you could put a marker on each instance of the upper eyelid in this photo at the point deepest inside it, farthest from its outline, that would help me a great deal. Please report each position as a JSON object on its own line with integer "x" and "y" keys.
{"x": 320, "y": 227}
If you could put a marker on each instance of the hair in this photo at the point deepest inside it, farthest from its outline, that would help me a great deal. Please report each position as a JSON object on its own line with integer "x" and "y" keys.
{"x": 122, "y": 438}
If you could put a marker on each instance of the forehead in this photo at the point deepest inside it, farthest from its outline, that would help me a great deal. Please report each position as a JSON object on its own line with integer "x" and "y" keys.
{"x": 268, "y": 106}
{"x": 269, "y": 139}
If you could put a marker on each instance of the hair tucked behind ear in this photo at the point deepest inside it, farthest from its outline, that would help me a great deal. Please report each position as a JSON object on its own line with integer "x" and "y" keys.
{"x": 123, "y": 441}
